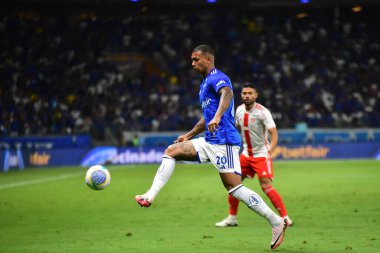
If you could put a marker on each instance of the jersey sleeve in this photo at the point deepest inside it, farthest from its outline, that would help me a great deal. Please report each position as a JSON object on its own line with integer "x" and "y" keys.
{"x": 268, "y": 119}
{"x": 220, "y": 82}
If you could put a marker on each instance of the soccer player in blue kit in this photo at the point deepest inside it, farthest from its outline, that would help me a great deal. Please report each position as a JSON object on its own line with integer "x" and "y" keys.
{"x": 220, "y": 146}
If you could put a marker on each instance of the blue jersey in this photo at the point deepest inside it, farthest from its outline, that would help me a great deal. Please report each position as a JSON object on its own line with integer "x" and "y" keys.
{"x": 209, "y": 98}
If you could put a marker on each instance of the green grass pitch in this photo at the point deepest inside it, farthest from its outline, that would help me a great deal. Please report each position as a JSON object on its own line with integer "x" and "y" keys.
{"x": 335, "y": 206}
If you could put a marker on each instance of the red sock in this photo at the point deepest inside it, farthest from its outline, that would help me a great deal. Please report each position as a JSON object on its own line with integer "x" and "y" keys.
{"x": 276, "y": 200}
{"x": 234, "y": 204}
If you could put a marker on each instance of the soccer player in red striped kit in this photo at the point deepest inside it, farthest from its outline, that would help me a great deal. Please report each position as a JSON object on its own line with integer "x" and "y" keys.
{"x": 254, "y": 122}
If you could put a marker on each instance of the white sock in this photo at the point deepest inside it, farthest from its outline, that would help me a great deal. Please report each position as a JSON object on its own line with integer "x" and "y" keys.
{"x": 164, "y": 172}
{"x": 232, "y": 217}
{"x": 256, "y": 203}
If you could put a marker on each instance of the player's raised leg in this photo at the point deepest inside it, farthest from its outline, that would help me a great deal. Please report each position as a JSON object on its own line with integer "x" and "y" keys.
{"x": 179, "y": 151}
{"x": 232, "y": 182}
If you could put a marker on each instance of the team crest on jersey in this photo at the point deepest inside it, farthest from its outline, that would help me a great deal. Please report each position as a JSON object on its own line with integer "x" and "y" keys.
{"x": 253, "y": 200}
{"x": 253, "y": 120}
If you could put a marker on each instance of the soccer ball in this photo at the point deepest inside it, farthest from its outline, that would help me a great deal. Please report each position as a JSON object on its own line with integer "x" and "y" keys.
{"x": 97, "y": 177}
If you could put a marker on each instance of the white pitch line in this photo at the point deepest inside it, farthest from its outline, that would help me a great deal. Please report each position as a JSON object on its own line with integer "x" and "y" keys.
{"x": 41, "y": 180}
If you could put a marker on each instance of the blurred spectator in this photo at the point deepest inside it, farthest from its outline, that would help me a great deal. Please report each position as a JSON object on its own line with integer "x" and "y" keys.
{"x": 91, "y": 72}
{"x": 136, "y": 141}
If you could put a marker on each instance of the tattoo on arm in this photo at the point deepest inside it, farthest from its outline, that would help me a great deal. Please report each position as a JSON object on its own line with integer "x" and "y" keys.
{"x": 225, "y": 100}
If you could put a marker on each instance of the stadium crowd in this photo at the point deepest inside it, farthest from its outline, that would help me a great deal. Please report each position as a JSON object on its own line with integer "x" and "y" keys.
{"x": 85, "y": 72}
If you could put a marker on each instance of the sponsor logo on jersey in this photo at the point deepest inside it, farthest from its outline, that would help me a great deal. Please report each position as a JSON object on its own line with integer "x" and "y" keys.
{"x": 220, "y": 82}
{"x": 205, "y": 103}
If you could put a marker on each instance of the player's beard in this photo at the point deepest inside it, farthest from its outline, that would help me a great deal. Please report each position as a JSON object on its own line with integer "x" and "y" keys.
{"x": 248, "y": 103}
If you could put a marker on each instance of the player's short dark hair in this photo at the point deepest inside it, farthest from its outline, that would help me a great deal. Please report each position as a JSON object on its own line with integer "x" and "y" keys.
{"x": 205, "y": 49}
{"x": 251, "y": 85}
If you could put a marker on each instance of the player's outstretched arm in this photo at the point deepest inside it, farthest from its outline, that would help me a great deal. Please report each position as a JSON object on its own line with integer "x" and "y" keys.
{"x": 197, "y": 129}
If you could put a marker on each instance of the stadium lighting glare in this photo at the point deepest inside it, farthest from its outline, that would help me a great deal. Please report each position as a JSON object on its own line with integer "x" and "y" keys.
{"x": 304, "y": 1}
{"x": 357, "y": 8}
{"x": 211, "y": 1}
{"x": 301, "y": 15}
{"x": 134, "y": 1}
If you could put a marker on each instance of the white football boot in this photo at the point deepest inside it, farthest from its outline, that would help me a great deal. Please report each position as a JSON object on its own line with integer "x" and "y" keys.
{"x": 290, "y": 222}
{"x": 278, "y": 233}
{"x": 230, "y": 221}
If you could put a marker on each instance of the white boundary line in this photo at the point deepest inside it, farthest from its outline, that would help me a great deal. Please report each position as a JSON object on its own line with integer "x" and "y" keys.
{"x": 48, "y": 179}
{"x": 41, "y": 180}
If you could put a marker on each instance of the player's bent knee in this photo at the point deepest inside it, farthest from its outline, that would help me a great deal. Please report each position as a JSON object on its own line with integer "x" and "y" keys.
{"x": 173, "y": 151}
{"x": 170, "y": 150}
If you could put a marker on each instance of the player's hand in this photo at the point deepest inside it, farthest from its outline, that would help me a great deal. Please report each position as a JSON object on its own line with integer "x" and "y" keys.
{"x": 213, "y": 125}
{"x": 269, "y": 154}
{"x": 181, "y": 139}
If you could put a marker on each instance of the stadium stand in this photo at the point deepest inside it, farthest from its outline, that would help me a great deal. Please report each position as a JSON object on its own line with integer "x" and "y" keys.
{"x": 100, "y": 73}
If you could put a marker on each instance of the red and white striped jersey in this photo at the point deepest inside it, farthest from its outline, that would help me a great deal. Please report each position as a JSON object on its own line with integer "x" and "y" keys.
{"x": 254, "y": 129}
